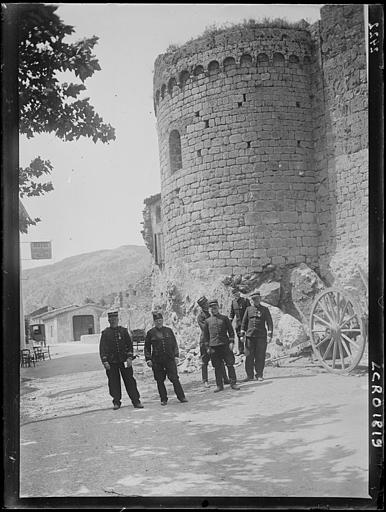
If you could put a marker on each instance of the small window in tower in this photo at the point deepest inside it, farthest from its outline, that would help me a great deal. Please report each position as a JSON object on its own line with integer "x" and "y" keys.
{"x": 229, "y": 63}
{"x": 184, "y": 77}
{"x": 278, "y": 59}
{"x": 171, "y": 84}
{"x": 175, "y": 151}
{"x": 207, "y": 123}
{"x": 246, "y": 60}
{"x": 198, "y": 70}
{"x": 213, "y": 67}
{"x": 262, "y": 59}
{"x": 158, "y": 214}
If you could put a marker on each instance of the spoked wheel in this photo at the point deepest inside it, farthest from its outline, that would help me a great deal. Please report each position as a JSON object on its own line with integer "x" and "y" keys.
{"x": 337, "y": 330}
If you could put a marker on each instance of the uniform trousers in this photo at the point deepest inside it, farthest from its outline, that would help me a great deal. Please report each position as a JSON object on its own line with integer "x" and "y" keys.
{"x": 205, "y": 358}
{"x": 219, "y": 355}
{"x": 255, "y": 349}
{"x": 114, "y": 380}
{"x": 167, "y": 368}
{"x": 241, "y": 347}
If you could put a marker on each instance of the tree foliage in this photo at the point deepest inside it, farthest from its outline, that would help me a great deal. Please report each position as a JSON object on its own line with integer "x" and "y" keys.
{"x": 47, "y": 104}
{"x": 28, "y": 186}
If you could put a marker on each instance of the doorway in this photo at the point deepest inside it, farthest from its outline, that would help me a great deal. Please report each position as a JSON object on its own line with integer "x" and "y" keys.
{"x": 82, "y": 324}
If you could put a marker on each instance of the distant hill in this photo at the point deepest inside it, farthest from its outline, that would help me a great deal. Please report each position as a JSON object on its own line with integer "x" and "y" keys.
{"x": 96, "y": 276}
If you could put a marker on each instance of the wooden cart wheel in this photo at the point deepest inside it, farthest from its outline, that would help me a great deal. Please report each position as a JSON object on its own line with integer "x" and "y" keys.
{"x": 337, "y": 331}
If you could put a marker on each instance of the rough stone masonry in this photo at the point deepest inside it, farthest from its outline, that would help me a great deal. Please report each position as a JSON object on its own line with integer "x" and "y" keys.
{"x": 263, "y": 152}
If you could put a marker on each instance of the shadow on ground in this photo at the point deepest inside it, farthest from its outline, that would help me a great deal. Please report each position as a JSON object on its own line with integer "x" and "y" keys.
{"x": 223, "y": 444}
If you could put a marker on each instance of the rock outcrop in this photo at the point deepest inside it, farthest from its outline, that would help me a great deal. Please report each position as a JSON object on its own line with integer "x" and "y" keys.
{"x": 305, "y": 286}
{"x": 349, "y": 271}
{"x": 288, "y": 293}
{"x": 270, "y": 293}
{"x": 291, "y": 332}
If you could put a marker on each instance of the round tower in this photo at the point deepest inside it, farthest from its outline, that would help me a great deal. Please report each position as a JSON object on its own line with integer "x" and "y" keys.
{"x": 234, "y": 124}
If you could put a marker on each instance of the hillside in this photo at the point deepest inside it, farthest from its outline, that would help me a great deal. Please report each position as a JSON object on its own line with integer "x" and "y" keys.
{"x": 97, "y": 276}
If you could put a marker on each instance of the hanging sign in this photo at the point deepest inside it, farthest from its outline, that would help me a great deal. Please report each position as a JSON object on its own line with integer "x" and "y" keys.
{"x": 41, "y": 250}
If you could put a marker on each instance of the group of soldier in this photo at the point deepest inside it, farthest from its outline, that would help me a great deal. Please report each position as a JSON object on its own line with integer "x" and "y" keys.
{"x": 254, "y": 329}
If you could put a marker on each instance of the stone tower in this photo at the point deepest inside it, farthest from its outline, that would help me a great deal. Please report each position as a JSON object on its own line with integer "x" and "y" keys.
{"x": 234, "y": 115}
{"x": 263, "y": 147}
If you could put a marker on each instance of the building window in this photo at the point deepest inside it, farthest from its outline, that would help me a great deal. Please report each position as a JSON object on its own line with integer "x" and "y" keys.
{"x": 213, "y": 67}
{"x": 171, "y": 84}
{"x": 229, "y": 63}
{"x": 262, "y": 59}
{"x": 278, "y": 59}
{"x": 184, "y": 77}
{"x": 175, "y": 151}
{"x": 158, "y": 250}
{"x": 246, "y": 60}
{"x": 158, "y": 214}
{"x": 198, "y": 70}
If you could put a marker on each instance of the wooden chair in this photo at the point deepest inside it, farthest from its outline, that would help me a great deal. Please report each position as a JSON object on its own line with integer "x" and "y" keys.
{"x": 46, "y": 351}
{"x": 38, "y": 353}
{"x": 26, "y": 358}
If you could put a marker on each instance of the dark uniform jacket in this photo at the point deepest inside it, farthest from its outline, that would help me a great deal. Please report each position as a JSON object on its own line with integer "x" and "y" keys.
{"x": 160, "y": 344}
{"x": 201, "y": 322}
{"x": 238, "y": 308}
{"x": 255, "y": 320}
{"x": 115, "y": 345}
{"x": 218, "y": 330}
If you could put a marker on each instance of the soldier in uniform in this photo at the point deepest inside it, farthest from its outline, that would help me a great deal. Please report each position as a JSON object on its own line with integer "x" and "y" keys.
{"x": 205, "y": 357}
{"x": 161, "y": 354}
{"x": 219, "y": 339}
{"x": 116, "y": 353}
{"x": 253, "y": 325}
{"x": 238, "y": 308}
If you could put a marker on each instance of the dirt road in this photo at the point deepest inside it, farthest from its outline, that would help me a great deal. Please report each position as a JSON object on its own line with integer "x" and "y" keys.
{"x": 301, "y": 432}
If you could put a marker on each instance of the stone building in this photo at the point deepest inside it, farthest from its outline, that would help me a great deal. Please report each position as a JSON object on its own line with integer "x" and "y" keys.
{"x": 152, "y": 232}
{"x": 69, "y": 323}
{"x": 263, "y": 148}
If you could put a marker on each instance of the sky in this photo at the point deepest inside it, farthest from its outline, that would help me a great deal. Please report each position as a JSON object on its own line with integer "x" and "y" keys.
{"x": 99, "y": 189}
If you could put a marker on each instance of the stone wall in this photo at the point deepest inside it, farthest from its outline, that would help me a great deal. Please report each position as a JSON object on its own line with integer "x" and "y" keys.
{"x": 263, "y": 154}
{"x": 340, "y": 132}
{"x": 244, "y": 197}
{"x": 150, "y": 226}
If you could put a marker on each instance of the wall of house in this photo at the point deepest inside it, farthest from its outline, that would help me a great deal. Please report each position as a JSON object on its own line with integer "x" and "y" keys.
{"x": 62, "y": 324}
{"x": 51, "y": 330}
